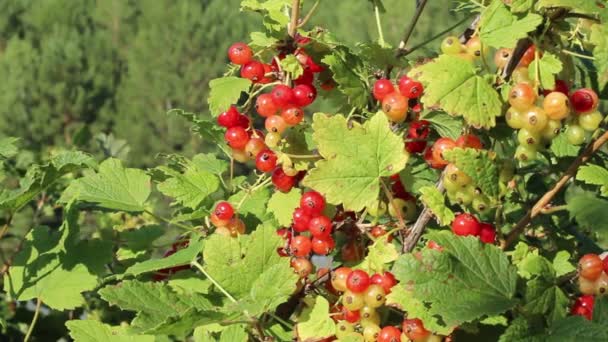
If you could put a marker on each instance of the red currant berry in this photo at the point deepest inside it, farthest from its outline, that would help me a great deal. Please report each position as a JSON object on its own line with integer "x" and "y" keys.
{"x": 338, "y": 278}
{"x": 275, "y": 124}
{"x": 300, "y": 246}
{"x": 253, "y": 71}
{"x": 323, "y": 246}
{"x": 320, "y": 226}
{"x": 240, "y": 53}
{"x": 605, "y": 264}
{"x": 440, "y": 146}
{"x": 583, "y": 306}
{"x": 301, "y": 266}
{"x": 229, "y": 118}
{"x": 378, "y": 231}
{"x": 268, "y": 76}
{"x": 386, "y": 280}
{"x": 395, "y": 106}
{"x": 307, "y": 78}
{"x": 357, "y": 281}
{"x": 410, "y": 88}
{"x": 236, "y": 137}
{"x": 244, "y": 121}
{"x": 466, "y": 224}
{"x": 304, "y": 95}
{"x": 528, "y": 56}
{"x": 282, "y": 96}
{"x": 224, "y": 210}
{"x": 414, "y": 330}
{"x": 351, "y": 316}
{"x": 389, "y": 334}
{"x": 301, "y": 220}
{"x": 265, "y": 106}
{"x": 590, "y": 266}
{"x": 428, "y": 157}
{"x": 487, "y": 233}
{"x": 382, "y": 88}
{"x": 312, "y": 203}
{"x": 254, "y": 146}
{"x": 584, "y": 100}
{"x": 266, "y": 161}
{"x": 292, "y": 115}
{"x": 469, "y": 141}
{"x": 281, "y": 181}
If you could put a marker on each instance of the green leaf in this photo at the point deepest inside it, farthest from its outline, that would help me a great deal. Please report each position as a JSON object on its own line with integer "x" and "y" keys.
{"x": 137, "y": 241}
{"x": 8, "y": 147}
{"x": 452, "y": 83}
{"x": 272, "y": 288}
{"x": 315, "y": 322}
{"x": 418, "y": 174}
{"x": 350, "y": 75}
{"x": 590, "y": 212}
{"x": 562, "y": 148}
{"x": 518, "y": 6}
{"x": 291, "y": 65}
{"x": 577, "y": 6}
{"x": 354, "y": 159}
{"x": 94, "y": 331}
{"x": 464, "y": 282}
{"x": 275, "y": 18}
{"x": 600, "y": 310}
{"x": 282, "y": 205}
{"x": 210, "y": 163}
{"x": 379, "y": 254}
{"x": 380, "y": 56}
{"x": 534, "y": 265}
{"x": 575, "y": 329}
{"x": 157, "y": 305}
{"x": 434, "y": 200}
{"x": 253, "y": 203}
{"x": 262, "y": 40}
{"x": 179, "y": 258}
{"x": 189, "y": 188}
{"x": 479, "y": 165}
{"x": 522, "y": 329}
{"x": 599, "y": 38}
{"x": 595, "y": 175}
{"x": 444, "y": 124}
{"x": 546, "y": 299}
{"x": 562, "y": 264}
{"x": 57, "y": 267}
{"x": 549, "y": 66}
{"x": 404, "y": 300}
{"x": 500, "y": 28}
{"x": 204, "y": 125}
{"x": 236, "y": 264}
{"x": 234, "y": 333}
{"x": 114, "y": 187}
{"x": 224, "y": 92}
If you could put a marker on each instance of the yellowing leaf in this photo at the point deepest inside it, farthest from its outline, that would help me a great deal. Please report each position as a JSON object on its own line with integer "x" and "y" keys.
{"x": 315, "y": 323}
{"x": 548, "y": 67}
{"x": 379, "y": 254}
{"x": 282, "y": 205}
{"x": 434, "y": 200}
{"x": 354, "y": 159}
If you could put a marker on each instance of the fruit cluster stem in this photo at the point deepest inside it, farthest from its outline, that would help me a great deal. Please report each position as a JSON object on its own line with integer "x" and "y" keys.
{"x": 295, "y": 15}
{"x": 548, "y": 196}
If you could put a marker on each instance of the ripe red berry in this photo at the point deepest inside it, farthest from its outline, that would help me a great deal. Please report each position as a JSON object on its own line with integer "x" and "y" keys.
{"x": 320, "y": 226}
{"x": 605, "y": 264}
{"x": 224, "y": 210}
{"x": 307, "y": 78}
{"x": 466, "y": 224}
{"x": 357, "y": 281}
{"x": 229, "y": 118}
{"x": 583, "y": 306}
{"x": 312, "y": 203}
{"x": 281, "y": 181}
{"x": 304, "y": 95}
{"x": 301, "y": 266}
{"x": 414, "y": 329}
{"x": 418, "y": 130}
{"x": 560, "y": 86}
{"x": 440, "y": 146}
{"x": 386, "y": 280}
{"x": 590, "y": 266}
{"x": 300, "y": 246}
{"x": 323, "y": 246}
{"x": 265, "y": 106}
{"x": 382, "y": 88}
{"x": 282, "y": 96}
{"x": 469, "y": 141}
{"x": 240, "y": 53}
{"x": 351, "y": 316}
{"x": 253, "y": 71}
{"x": 268, "y": 76}
{"x": 378, "y": 231}
{"x": 528, "y": 56}
{"x": 300, "y": 219}
{"x": 236, "y": 137}
{"x": 389, "y": 334}
{"x": 292, "y": 115}
{"x": 243, "y": 121}
{"x": 487, "y": 233}
{"x": 584, "y": 100}
{"x": 266, "y": 161}
{"x": 410, "y": 88}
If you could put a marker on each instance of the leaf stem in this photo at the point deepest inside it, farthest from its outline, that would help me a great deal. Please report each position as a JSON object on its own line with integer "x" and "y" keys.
{"x": 309, "y": 14}
{"x": 295, "y": 14}
{"x": 280, "y": 320}
{"x": 593, "y": 147}
{"x": 438, "y": 35}
{"x": 378, "y": 23}
{"x": 218, "y": 285}
{"x": 572, "y": 53}
{"x": 34, "y": 320}
{"x": 167, "y": 221}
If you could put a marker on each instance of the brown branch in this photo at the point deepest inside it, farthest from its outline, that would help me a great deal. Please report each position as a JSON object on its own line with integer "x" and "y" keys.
{"x": 418, "y": 228}
{"x": 466, "y": 35}
{"x": 295, "y": 15}
{"x": 548, "y": 196}
{"x": 410, "y": 29}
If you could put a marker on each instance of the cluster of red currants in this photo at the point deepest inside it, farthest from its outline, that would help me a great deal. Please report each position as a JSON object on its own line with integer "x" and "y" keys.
{"x": 357, "y": 313}
{"x": 466, "y": 225}
{"x": 593, "y": 274}
{"x": 396, "y": 102}
{"x": 225, "y": 222}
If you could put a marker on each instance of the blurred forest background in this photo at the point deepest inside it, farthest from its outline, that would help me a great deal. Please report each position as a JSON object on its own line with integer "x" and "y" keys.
{"x": 100, "y": 75}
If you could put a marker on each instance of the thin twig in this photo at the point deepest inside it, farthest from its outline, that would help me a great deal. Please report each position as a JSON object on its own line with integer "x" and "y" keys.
{"x": 548, "y": 196}
{"x": 309, "y": 14}
{"x": 378, "y": 24}
{"x": 295, "y": 14}
{"x": 410, "y": 29}
{"x": 438, "y": 35}
{"x": 516, "y": 55}
{"x": 34, "y": 320}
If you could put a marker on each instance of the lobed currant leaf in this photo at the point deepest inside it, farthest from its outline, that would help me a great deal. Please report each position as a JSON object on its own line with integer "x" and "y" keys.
{"x": 444, "y": 124}
{"x": 273, "y": 12}
{"x": 181, "y": 257}
{"x": 544, "y": 298}
{"x": 452, "y": 83}
{"x": 291, "y": 65}
{"x": 89, "y": 330}
{"x": 350, "y": 74}
{"x": 262, "y": 40}
{"x": 594, "y": 175}
{"x": 8, "y": 147}
{"x": 561, "y": 148}
{"x": 379, "y": 255}
{"x": 589, "y": 211}
{"x": 599, "y": 38}
{"x": 434, "y": 200}
{"x": 354, "y": 159}
{"x": 282, "y": 205}
{"x": 548, "y": 66}
{"x": 404, "y": 300}
{"x": 501, "y": 29}
{"x": 189, "y": 188}
{"x": 315, "y": 323}
{"x": 224, "y": 92}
